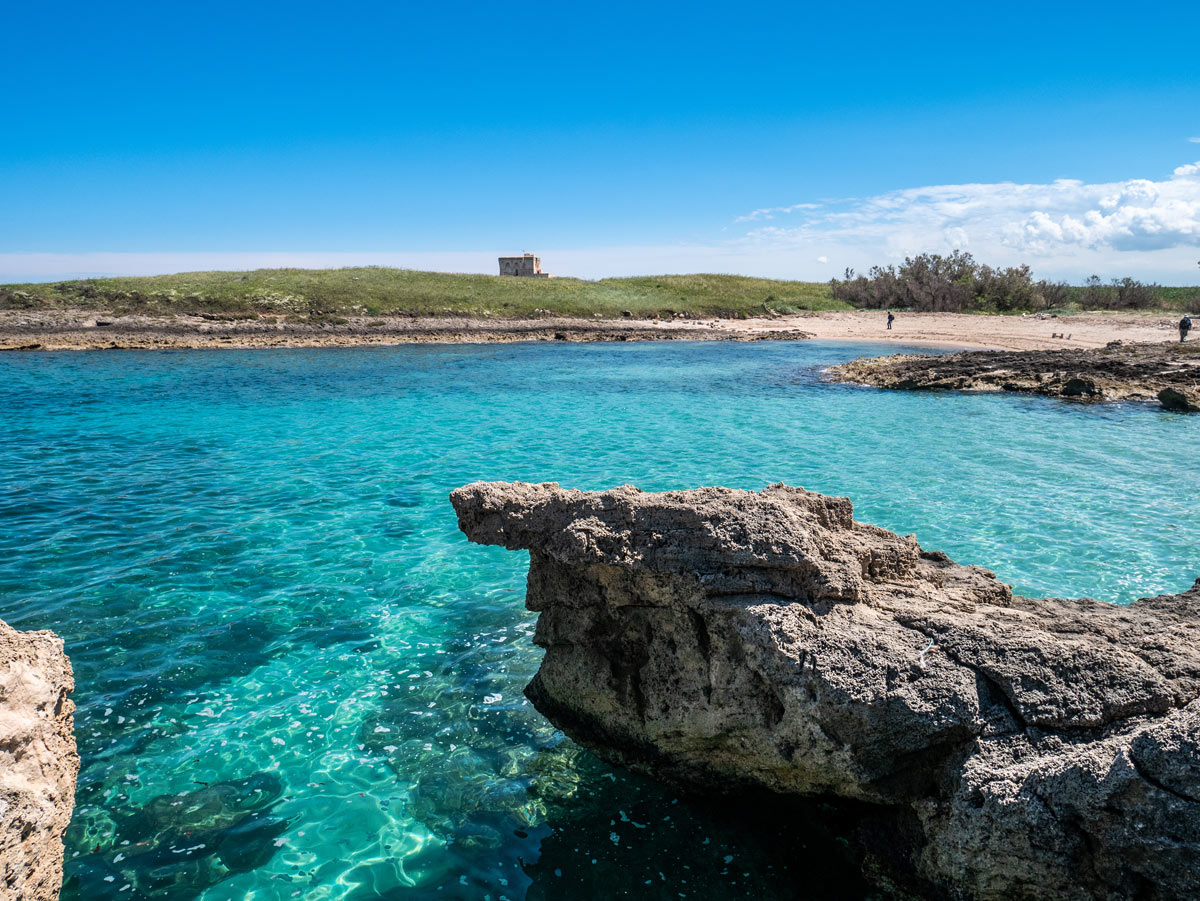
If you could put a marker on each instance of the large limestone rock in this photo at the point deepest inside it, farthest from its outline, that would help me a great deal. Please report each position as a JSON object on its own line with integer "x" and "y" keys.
{"x": 38, "y": 762}
{"x": 1014, "y": 748}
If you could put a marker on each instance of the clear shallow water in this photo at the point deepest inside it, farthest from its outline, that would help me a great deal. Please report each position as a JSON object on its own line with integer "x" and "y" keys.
{"x": 297, "y": 679}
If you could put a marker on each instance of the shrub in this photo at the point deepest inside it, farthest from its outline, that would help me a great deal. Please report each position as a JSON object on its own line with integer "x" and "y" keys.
{"x": 956, "y": 283}
{"x": 1133, "y": 295}
{"x": 940, "y": 284}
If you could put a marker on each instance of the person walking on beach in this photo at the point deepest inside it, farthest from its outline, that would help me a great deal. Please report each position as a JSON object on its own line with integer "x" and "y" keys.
{"x": 890, "y": 318}
{"x": 1185, "y": 326}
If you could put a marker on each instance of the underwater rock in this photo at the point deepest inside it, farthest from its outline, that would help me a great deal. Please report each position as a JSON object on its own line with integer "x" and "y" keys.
{"x": 180, "y": 844}
{"x": 721, "y": 639}
{"x": 38, "y": 762}
{"x": 210, "y": 808}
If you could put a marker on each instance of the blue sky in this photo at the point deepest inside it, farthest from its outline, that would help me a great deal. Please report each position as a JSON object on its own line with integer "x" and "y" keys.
{"x": 776, "y": 139}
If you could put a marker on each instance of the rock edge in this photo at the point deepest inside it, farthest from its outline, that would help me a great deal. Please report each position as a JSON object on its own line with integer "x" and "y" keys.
{"x": 717, "y": 639}
{"x": 1168, "y": 373}
{"x": 38, "y": 762}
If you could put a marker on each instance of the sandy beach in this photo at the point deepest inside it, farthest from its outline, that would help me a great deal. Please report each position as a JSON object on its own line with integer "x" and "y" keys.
{"x": 972, "y": 331}
{"x": 82, "y": 330}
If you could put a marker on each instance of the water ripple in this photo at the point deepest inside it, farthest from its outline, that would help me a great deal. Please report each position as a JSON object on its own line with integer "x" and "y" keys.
{"x": 297, "y": 679}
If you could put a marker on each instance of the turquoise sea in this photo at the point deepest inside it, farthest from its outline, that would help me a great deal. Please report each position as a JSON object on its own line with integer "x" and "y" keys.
{"x": 296, "y": 679}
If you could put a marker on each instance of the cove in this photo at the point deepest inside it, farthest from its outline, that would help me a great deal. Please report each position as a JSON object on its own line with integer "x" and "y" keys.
{"x": 295, "y": 678}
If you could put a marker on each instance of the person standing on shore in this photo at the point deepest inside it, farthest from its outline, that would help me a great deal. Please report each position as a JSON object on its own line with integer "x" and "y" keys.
{"x": 1185, "y": 326}
{"x": 890, "y": 318}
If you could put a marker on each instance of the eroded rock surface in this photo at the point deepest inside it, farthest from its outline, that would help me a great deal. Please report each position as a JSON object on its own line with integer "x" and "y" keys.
{"x": 1167, "y": 372}
{"x": 57, "y": 329}
{"x": 1015, "y": 748}
{"x": 38, "y": 762}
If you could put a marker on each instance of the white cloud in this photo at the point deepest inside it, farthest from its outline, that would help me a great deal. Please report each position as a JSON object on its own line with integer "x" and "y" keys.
{"x": 1066, "y": 227}
{"x": 1132, "y": 215}
{"x": 1194, "y": 140}
{"x": 772, "y": 212}
{"x": 822, "y": 259}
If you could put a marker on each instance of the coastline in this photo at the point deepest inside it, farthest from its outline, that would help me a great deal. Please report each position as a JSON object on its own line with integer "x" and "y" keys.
{"x": 98, "y": 330}
{"x": 973, "y": 331}
{"x": 92, "y": 330}
{"x": 1166, "y": 372}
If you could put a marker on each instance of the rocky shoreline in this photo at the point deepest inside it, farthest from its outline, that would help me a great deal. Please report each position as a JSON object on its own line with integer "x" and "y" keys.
{"x": 1167, "y": 373}
{"x": 38, "y": 762}
{"x": 72, "y": 329}
{"x": 62, "y": 330}
{"x": 996, "y": 746}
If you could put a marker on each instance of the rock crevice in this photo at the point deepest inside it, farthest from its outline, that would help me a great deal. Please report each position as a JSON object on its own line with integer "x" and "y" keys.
{"x": 719, "y": 638}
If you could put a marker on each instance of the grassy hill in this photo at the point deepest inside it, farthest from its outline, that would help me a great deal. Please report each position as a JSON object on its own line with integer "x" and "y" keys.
{"x": 374, "y": 291}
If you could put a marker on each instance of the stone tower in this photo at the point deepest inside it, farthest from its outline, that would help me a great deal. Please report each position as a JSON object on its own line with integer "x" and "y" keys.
{"x": 526, "y": 265}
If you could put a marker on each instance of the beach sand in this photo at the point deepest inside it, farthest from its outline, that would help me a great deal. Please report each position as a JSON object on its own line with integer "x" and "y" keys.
{"x": 81, "y": 330}
{"x": 972, "y": 331}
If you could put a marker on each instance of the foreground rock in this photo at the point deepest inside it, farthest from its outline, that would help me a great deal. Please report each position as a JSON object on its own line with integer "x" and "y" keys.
{"x": 38, "y": 762}
{"x": 1002, "y": 747}
{"x": 1166, "y": 372}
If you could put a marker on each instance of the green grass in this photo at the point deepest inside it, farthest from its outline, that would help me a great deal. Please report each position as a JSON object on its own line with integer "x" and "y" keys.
{"x": 376, "y": 291}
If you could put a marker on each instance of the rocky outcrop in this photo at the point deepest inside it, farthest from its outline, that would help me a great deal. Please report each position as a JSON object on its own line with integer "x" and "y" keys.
{"x": 58, "y": 329}
{"x": 1180, "y": 400}
{"x": 38, "y": 762}
{"x": 1169, "y": 373}
{"x": 1006, "y": 747}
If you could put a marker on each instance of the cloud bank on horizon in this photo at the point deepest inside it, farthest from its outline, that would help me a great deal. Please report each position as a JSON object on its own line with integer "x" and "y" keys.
{"x": 1066, "y": 229}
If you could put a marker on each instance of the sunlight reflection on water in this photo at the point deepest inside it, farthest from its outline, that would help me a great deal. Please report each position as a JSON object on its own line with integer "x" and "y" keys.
{"x": 297, "y": 679}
